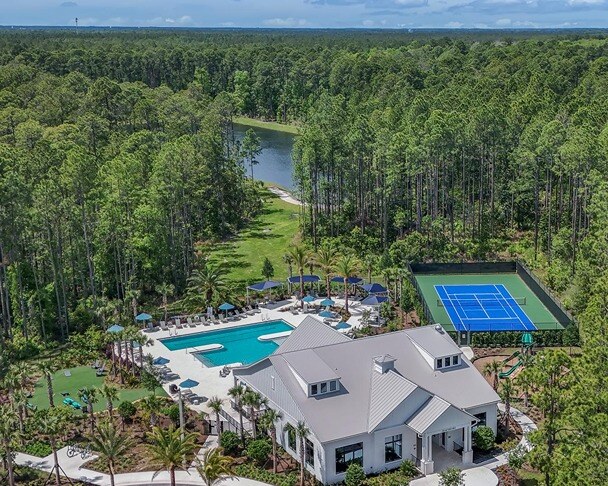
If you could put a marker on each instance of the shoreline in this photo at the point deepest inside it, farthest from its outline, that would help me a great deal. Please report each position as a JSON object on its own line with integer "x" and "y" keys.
{"x": 284, "y": 195}
{"x": 255, "y": 123}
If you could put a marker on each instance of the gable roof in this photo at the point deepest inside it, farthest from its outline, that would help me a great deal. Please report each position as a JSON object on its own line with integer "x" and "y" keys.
{"x": 311, "y": 333}
{"x": 308, "y": 365}
{"x": 366, "y": 398}
{"x": 432, "y": 411}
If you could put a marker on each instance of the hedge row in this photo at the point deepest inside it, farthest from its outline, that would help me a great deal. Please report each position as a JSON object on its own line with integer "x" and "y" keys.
{"x": 510, "y": 339}
{"x": 258, "y": 474}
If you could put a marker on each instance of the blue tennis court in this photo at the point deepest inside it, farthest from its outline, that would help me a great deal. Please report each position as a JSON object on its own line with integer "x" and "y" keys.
{"x": 483, "y": 307}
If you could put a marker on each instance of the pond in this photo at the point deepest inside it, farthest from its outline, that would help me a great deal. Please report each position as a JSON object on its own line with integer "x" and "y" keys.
{"x": 275, "y": 163}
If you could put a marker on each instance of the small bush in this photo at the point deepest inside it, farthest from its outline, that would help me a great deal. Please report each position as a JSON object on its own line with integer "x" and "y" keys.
{"x": 517, "y": 457}
{"x": 452, "y": 476}
{"x": 483, "y": 438}
{"x": 258, "y": 451}
{"x": 172, "y": 413}
{"x": 38, "y": 448}
{"x": 126, "y": 410}
{"x": 230, "y": 442}
{"x": 355, "y": 476}
{"x": 253, "y": 472}
{"x": 408, "y": 469}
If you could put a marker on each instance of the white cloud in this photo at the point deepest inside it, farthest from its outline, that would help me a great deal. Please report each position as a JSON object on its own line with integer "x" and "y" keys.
{"x": 503, "y": 22}
{"x": 454, "y": 25}
{"x": 368, "y": 23}
{"x": 185, "y": 19}
{"x": 227, "y": 24}
{"x": 526, "y": 23}
{"x": 285, "y": 22}
{"x": 169, "y": 21}
{"x": 480, "y": 26}
{"x": 585, "y": 2}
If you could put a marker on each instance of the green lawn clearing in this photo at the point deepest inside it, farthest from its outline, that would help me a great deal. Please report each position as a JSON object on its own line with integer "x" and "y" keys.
{"x": 270, "y": 235}
{"x": 82, "y": 376}
{"x": 253, "y": 122}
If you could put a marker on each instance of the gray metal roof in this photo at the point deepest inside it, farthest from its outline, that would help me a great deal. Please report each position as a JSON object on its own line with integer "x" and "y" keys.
{"x": 362, "y": 400}
{"x": 309, "y": 366}
{"x": 430, "y": 413}
{"x": 387, "y": 390}
{"x": 438, "y": 343}
{"x": 309, "y": 334}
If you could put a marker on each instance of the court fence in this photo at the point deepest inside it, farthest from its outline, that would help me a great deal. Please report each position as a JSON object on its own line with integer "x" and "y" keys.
{"x": 555, "y": 333}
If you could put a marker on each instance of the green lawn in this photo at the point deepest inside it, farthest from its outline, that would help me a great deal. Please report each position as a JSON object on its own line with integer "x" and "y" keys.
{"x": 83, "y": 376}
{"x": 269, "y": 235}
{"x": 253, "y": 122}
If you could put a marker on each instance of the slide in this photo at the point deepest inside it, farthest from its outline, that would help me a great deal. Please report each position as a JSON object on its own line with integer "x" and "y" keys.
{"x": 509, "y": 372}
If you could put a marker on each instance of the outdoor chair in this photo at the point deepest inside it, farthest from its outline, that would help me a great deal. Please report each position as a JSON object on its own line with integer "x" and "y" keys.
{"x": 95, "y": 365}
{"x": 178, "y": 323}
{"x": 67, "y": 373}
{"x": 101, "y": 370}
{"x": 190, "y": 323}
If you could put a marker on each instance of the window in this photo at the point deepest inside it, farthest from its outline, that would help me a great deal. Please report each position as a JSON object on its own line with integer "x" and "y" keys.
{"x": 392, "y": 448}
{"x": 314, "y": 389}
{"x": 455, "y": 360}
{"x": 323, "y": 387}
{"x": 345, "y": 456}
{"x": 440, "y": 363}
{"x": 333, "y": 385}
{"x": 291, "y": 438}
{"x": 481, "y": 417}
{"x": 272, "y": 382}
{"x": 447, "y": 361}
{"x": 309, "y": 452}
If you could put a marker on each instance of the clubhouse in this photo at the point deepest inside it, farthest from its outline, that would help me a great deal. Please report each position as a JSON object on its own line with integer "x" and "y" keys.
{"x": 377, "y": 401}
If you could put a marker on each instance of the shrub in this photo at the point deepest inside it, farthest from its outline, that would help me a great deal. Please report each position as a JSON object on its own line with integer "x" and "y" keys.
{"x": 126, "y": 410}
{"x": 258, "y": 451}
{"x": 483, "y": 438}
{"x": 355, "y": 476}
{"x": 452, "y": 476}
{"x": 172, "y": 413}
{"x": 230, "y": 442}
{"x": 408, "y": 469}
{"x": 517, "y": 457}
{"x": 253, "y": 472}
{"x": 38, "y": 448}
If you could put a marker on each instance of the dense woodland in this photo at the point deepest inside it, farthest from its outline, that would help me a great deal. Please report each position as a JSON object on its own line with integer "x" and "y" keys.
{"x": 118, "y": 162}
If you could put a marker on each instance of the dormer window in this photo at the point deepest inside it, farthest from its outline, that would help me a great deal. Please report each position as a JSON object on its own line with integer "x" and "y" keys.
{"x": 323, "y": 388}
{"x": 447, "y": 362}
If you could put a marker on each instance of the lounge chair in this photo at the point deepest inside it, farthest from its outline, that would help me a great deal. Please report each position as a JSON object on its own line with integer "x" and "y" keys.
{"x": 95, "y": 365}
{"x": 163, "y": 325}
{"x": 101, "y": 370}
{"x": 205, "y": 322}
{"x": 215, "y": 320}
{"x": 178, "y": 323}
{"x": 67, "y": 373}
{"x": 190, "y": 323}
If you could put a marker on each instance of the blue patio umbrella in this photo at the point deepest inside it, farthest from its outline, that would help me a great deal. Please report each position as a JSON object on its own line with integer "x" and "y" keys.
{"x": 327, "y": 303}
{"x": 343, "y": 325}
{"x": 374, "y": 288}
{"x": 143, "y": 317}
{"x": 266, "y": 285}
{"x": 115, "y": 329}
{"x": 188, "y": 383}
{"x": 374, "y": 300}
{"x": 308, "y": 298}
{"x": 349, "y": 280}
{"x": 327, "y": 314}
{"x": 226, "y": 306}
{"x": 160, "y": 361}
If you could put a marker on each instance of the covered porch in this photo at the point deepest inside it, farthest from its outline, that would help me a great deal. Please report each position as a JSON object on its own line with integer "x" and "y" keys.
{"x": 439, "y": 451}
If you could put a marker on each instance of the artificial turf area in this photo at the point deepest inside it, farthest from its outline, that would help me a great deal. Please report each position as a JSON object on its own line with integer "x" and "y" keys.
{"x": 270, "y": 235}
{"x": 534, "y": 308}
{"x": 82, "y": 376}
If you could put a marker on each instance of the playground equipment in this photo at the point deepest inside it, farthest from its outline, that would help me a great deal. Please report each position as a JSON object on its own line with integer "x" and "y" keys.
{"x": 527, "y": 342}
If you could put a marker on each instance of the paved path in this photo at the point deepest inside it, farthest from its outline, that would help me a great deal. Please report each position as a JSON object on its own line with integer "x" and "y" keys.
{"x": 284, "y": 195}
{"x": 73, "y": 468}
{"x": 477, "y": 476}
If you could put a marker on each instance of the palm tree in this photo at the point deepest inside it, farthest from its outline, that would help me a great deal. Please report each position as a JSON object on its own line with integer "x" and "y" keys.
{"x": 237, "y": 392}
{"x": 269, "y": 422}
{"x": 215, "y": 404}
{"x": 507, "y": 391}
{"x": 110, "y": 445}
{"x": 50, "y": 425}
{"x": 142, "y": 340}
{"x": 8, "y": 436}
{"x": 524, "y": 383}
{"x": 300, "y": 257}
{"x": 302, "y": 432}
{"x": 492, "y": 369}
{"x": 347, "y": 267}
{"x": 370, "y": 261}
{"x": 206, "y": 285}
{"x": 110, "y": 393}
{"x": 165, "y": 290}
{"x": 171, "y": 449}
{"x": 89, "y": 396}
{"x": 288, "y": 260}
{"x": 214, "y": 466}
{"x": 48, "y": 368}
{"x": 325, "y": 259}
{"x": 252, "y": 400}
{"x": 151, "y": 404}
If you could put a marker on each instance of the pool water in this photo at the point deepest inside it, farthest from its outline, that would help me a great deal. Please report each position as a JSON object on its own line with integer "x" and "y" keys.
{"x": 240, "y": 344}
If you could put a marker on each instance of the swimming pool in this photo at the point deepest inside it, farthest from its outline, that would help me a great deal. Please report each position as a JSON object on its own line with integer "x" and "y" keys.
{"x": 240, "y": 343}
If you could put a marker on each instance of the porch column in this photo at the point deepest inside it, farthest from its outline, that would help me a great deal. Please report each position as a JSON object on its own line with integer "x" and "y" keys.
{"x": 467, "y": 452}
{"x": 426, "y": 462}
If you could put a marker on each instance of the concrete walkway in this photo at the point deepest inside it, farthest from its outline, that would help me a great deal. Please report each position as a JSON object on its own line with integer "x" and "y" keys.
{"x": 477, "y": 476}
{"x": 73, "y": 468}
{"x": 284, "y": 195}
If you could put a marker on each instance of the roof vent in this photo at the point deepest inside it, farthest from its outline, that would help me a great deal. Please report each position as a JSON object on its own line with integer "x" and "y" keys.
{"x": 439, "y": 329}
{"x": 383, "y": 364}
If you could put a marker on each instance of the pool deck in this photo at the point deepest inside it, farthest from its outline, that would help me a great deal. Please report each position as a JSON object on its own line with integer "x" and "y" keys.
{"x": 186, "y": 365}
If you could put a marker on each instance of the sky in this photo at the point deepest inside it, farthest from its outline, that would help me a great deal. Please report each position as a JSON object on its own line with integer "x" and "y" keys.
{"x": 488, "y": 14}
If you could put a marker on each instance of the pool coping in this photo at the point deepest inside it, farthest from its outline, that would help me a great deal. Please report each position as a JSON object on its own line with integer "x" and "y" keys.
{"x": 273, "y": 336}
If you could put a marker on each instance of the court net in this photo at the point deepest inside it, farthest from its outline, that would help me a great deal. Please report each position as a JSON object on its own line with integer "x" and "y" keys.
{"x": 487, "y": 303}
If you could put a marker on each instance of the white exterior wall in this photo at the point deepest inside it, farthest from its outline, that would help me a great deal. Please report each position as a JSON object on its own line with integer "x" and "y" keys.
{"x": 491, "y": 411}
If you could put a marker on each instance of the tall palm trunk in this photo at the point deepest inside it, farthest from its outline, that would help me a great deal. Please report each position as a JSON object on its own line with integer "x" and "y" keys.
{"x": 218, "y": 423}
{"x": 302, "y": 467}
{"x": 273, "y": 438}
{"x": 346, "y": 294}
{"x": 172, "y": 474}
{"x": 9, "y": 462}
{"x": 111, "y": 467}
{"x": 49, "y": 389}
